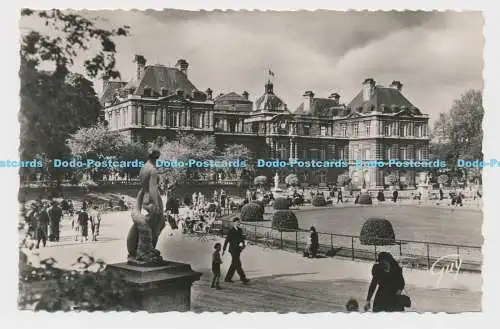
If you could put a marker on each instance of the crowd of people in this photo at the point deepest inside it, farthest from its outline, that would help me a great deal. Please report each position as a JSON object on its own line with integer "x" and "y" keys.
{"x": 43, "y": 221}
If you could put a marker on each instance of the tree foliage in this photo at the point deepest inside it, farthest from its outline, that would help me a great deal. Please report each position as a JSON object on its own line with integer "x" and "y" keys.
{"x": 56, "y": 102}
{"x": 182, "y": 149}
{"x": 96, "y": 142}
{"x": 343, "y": 179}
{"x": 292, "y": 180}
{"x": 458, "y": 134}
{"x": 260, "y": 181}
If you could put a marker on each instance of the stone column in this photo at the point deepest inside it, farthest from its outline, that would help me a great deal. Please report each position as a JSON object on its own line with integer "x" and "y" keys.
{"x": 139, "y": 116}
{"x": 159, "y": 289}
{"x": 296, "y": 151}
{"x": 290, "y": 153}
{"x": 188, "y": 119}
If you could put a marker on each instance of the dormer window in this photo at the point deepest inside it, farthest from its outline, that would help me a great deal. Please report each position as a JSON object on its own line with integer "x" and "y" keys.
{"x": 164, "y": 92}
{"x": 147, "y": 92}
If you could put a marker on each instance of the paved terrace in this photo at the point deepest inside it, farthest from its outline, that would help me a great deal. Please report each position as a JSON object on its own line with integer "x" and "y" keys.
{"x": 280, "y": 281}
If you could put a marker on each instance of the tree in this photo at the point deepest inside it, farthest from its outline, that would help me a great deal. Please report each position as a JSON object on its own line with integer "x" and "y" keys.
{"x": 97, "y": 143}
{"x": 392, "y": 179}
{"x": 131, "y": 152}
{"x": 343, "y": 179}
{"x": 183, "y": 149}
{"x": 235, "y": 152}
{"x": 292, "y": 180}
{"x": 56, "y": 102}
{"x": 458, "y": 134}
{"x": 260, "y": 181}
{"x": 442, "y": 179}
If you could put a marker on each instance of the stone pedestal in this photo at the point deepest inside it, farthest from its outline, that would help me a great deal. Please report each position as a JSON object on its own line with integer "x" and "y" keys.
{"x": 159, "y": 289}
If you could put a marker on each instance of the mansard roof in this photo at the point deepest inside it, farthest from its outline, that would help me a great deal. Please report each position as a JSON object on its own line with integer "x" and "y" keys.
{"x": 160, "y": 77}
{"x": 321, "y": 107}
{"x": 384, "y": 100}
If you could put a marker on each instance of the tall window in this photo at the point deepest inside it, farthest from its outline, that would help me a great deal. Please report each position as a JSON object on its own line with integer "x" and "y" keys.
{"x": 323, "y": 153}
{"x": 282, "y": 151}
{"x": 343, "y": 128}
{"x": 402, "y": 153}
{"x": 402, "y": 130}
{"x": 355, "y": 130}
{"x": 367, "y": 128}
{"x": 387, "y": 129}
{"x": 418, "y": 130}
{"x": 341, "y": 153}
{"x": 388, "y": 151}
{"x": 419, "y": 154}
{"x": 307, "y": 130}
{"x": 323, "y": 130}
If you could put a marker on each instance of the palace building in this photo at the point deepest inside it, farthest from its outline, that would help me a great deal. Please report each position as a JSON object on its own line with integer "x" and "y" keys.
{"x": 378, "y": 124}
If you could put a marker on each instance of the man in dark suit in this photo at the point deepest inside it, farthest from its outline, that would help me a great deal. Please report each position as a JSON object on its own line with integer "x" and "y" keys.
{"x": 236, "y": 241}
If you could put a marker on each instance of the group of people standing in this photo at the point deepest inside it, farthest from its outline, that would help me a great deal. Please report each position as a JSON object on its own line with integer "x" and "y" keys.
{"x": 83, "y": 219}
{"x": 44, "y": 221}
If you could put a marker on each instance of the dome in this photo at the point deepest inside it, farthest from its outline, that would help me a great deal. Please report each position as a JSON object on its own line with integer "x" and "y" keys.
{"x": 269, "y": 101}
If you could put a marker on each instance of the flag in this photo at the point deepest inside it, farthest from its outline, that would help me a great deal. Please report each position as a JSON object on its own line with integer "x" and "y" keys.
{"x": 271, "y": 73}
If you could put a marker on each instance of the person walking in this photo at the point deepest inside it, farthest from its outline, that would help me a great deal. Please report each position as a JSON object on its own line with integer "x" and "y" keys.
{"x": 314, "y": 242}
{"x": 395, "y": 196}
{"x": 95, "y": 222}
{"x": 441, "y": 194}
{"x": 339, "y": 197}
{"x": 236, "y": 241}
{"x": 55, "y": 215}
{"x": 216, "y": 261}
{"x": 388, "y": 276}
{"x": 83, "y": 222}
{"x": 42, "y": 229}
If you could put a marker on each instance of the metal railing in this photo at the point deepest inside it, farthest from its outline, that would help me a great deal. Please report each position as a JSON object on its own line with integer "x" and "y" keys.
{"x": 413, "y": 254}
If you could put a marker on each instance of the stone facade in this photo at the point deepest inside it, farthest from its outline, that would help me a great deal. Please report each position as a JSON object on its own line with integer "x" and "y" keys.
{"x": 378, "y": 124}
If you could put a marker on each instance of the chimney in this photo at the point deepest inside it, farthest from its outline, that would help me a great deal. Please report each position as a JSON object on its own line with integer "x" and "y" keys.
{"x": 179, "y": 92}
{"x": 309, "y": 96}
{"x": 182, "y": 65}
{"x": 269, "y": 87}
{"x": 105, "y": 81}
{"x": 209, "y": 93}
{"x": 245, "y": 94}
{"x": 335, "y": 97}
{"x": 368, "y": 89}
{"x": 396, "y": 85}
{"x": 141, "y": 65}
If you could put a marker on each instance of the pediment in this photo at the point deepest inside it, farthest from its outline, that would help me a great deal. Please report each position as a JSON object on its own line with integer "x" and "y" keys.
{"x": 404, "y": 113}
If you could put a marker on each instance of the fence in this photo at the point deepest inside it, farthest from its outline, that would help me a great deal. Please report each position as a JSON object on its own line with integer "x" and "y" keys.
{"x": 414, "y": 254}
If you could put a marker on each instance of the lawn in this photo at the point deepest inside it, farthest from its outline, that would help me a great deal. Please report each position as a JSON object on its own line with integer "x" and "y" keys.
{"x": 432, "y": 224}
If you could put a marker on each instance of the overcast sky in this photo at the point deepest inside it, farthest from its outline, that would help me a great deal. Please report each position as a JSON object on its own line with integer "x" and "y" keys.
{"x": 437, "y": 56}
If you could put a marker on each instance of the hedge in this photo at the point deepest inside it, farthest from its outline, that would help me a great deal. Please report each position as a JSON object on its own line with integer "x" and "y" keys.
{"x": 377, "y": 231}
{"x": 285, "y": 220}
{"x": 281, "y": 204}
{"x": 252, "y": 212}
{"x": 365, "y": 198}
{"x": 319, "y": 201}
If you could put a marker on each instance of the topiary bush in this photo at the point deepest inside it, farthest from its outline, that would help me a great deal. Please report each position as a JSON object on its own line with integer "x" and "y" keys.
{"x": 252, "y": 212}
{"x": 285, "y": 220}
{"x": 292, "y": 180}
{"x": 377, "y": 231}
{"x": 319, "y": 201}
{"x": 281, "y": 204}
{"x": 260, "y": 181}
{"x": 261, "y": 204}
{"x": 365, "y": 198}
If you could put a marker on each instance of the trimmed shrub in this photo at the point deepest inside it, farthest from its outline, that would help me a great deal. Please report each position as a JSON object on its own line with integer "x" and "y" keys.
{"x": 365, "y": 198}
{"x": 377, "y": 231}
{"x": 443, "y": 179}
{"x": 252, "y": 212}
{"x": 188, "y": 199}
{"x": 285, "y": 220}
{"x": 318, "y": 201}
{"x": 281, "y": 204}
{"x": 261, "y": 205}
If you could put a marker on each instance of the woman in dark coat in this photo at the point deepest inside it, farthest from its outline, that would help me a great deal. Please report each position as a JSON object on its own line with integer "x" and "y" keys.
{"x": 314, "y": 242}
{"x": 388, "y": 276}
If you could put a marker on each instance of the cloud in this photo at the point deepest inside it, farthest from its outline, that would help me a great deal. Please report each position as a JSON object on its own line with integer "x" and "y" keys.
{"x": 436, "y": 55}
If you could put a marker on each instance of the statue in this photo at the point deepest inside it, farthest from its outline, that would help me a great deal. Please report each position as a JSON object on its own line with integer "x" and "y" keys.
{"x": 427, "y": 180}
{"x": 145, "y": 231}
{"x": 276, "y": 181}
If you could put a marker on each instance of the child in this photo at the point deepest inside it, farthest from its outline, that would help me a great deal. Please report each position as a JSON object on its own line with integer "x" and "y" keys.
{"x": 352, "y": 305}
{"x": 216, "y": 261}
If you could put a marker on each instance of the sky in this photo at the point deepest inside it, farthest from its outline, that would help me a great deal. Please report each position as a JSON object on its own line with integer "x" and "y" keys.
{"x": 436, "y": 55}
